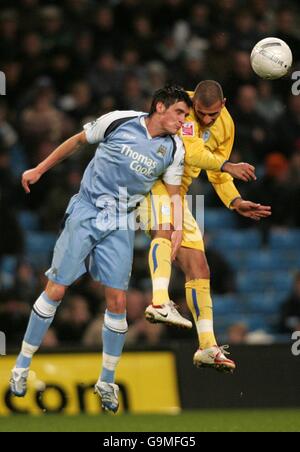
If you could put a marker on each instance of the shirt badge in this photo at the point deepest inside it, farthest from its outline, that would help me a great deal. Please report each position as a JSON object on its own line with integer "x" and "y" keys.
{"x": 162, "y": 151}
{"x": 188, "y": 129}
{"x": 206, "y": 136}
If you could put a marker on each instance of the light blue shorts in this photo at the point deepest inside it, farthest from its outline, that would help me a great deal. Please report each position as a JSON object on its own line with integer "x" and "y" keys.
{"x": 88, "y": 243}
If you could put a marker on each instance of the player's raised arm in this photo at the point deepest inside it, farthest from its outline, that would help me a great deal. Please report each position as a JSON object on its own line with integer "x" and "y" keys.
{"x": 94, "y": 132}
{"x": 63, "y": 151}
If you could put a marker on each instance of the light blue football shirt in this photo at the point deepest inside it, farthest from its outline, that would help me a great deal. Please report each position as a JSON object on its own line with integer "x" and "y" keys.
{"x": 128, "y": 161}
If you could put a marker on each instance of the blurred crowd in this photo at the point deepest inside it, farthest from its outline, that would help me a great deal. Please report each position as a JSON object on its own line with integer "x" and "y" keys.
{"x": 67, "y": 62}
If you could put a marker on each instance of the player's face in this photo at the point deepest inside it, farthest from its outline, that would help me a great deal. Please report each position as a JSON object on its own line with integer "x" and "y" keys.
{"x": 173, "y": 118}
{"x": 207, "y": 116}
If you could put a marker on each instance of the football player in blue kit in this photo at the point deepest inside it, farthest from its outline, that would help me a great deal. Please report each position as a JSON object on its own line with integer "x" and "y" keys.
{"x": 135, "y": 150}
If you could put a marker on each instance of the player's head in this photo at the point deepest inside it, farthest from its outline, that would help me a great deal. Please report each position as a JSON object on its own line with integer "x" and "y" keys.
{"x": 208, "y": 102}
{"x": 170, "y": 105}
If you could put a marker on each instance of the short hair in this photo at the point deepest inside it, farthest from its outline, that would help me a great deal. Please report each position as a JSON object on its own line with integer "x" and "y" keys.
{"x": 208, "y": 93}
{"x": 169, "y": 95}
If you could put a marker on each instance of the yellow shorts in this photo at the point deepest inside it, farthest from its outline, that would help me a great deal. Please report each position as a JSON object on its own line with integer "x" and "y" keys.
{"x": 156, "y": 210}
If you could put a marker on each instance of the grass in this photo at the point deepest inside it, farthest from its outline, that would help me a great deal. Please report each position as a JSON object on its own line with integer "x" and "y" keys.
{"x": 189, "y": 421}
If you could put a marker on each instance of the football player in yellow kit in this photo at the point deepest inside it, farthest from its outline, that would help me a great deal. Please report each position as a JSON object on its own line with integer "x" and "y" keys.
{"x": 208, "y": 135}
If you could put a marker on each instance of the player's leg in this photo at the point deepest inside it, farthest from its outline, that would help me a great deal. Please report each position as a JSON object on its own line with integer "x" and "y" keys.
{"x": 197, "y": 273}
{"x": 155, "y": 213}
{"x": 194, "y": 264}
{"x": 162, "y": 309}
{"x": 105, "y": 266}
{"x": 42, "y": 315}
{"x": 68, "y": 264}
{"x": 113, "y": 338}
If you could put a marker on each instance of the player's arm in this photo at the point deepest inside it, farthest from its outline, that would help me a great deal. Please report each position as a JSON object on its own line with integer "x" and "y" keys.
{"x": 94, "y": 132}
{"x": 224, "y": 185}
{"x": 58, "y": 155}
{"x": 172, "y": 180}
{"x": 198, "y": 155}
{"x": 177, "y": 218}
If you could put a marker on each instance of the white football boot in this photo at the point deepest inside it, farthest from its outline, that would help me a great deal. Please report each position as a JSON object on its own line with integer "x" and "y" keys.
{"x": 167, "y": 313}
{"x": 214, "y": 358}
{"x": 108, "y": 393}
{"x": 18, "y": 382}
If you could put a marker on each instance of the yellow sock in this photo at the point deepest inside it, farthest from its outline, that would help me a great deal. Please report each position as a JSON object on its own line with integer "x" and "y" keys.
{"x": 201, "y": 306}
{"x": 160, "y": 268}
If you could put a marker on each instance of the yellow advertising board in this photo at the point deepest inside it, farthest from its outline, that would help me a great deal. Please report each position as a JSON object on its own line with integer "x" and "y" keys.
{"x": 64, "y": 384}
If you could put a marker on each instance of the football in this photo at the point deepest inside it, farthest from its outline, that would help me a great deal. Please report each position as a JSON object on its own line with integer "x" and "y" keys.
{"x": 271, "y": 58}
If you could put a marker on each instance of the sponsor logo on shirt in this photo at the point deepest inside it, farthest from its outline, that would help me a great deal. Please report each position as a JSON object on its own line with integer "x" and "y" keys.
{"x": 188, "y": 129}
{"x": 140, "y": 163}
{"x": 128, "y": 136}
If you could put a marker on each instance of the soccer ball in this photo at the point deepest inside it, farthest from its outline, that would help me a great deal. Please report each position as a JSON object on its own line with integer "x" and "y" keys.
{"x": 271, "y": 58}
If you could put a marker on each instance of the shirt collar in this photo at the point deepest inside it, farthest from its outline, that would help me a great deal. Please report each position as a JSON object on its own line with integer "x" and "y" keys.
{"x": 143, "y": 123}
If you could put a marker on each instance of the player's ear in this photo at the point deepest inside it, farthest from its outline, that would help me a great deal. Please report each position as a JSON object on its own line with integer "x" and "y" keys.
{"x": 160, "y": 108}
{"x": 224, "y": 102}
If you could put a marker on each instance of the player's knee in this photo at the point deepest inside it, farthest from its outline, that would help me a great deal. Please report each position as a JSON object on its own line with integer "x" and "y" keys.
{"x": 197, "y": 268}
{"x": 198, "y": 273}
{"x": 164, "y": 232}
{"x": 204, "y": 271}
{"x": 115, "y": 301}
{"x": 55, "y": 292}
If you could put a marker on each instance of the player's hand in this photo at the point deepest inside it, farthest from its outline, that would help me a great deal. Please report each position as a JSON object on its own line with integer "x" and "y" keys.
{"x": 30, "y": 177}
{"x": 176, "y": 240}
{"x": 251, "y": 210}
{"x": 241, "y": 171}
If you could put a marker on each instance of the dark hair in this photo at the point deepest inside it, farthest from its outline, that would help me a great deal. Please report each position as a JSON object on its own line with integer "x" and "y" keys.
{"x": 169, "y": 95}
{"x": 208, "y": 93}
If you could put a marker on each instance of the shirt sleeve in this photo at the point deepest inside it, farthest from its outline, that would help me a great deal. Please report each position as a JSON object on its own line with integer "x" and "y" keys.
{"x": 198, "y": 156}
{"x": 223, "y": 183}
{"x": 173, "y": 174}
{"x": 96, "y": 130}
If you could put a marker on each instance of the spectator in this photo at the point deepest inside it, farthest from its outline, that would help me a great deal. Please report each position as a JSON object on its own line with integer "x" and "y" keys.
{"x": 245, "y": 34}
{"x": 42, "y": 121}
{"x": 8, "y": 189}
{"x": 12, "y": 236}
{"x": 25, "y": 281}
{"x": 106, "y": 77}
{"x": 222, "y": 275}
{"x": 57, "y": 200}
{"x": 53, "y": 28}
{"x": 73, "y": 320}
{"x": 241, "y": 74}
{"x": 140, "y": 331}
{"x": 105, "y": 33}
{"x": 14, "y": 313}
{"x": 133, "y": 96}
{"x": 268, "y": 106}
{"x": 274, "y": 190}
{"x": 237, "y": 334}
{"x": 78, "y": 104}
{"x": 143, "y": 37}
{"x": 9, "y": 34}
{"x": 32, "y": 57}
{"x": 288, "y": 127}
{"x": 252, "y": 135}
{"x": 219, "y": 65}
{"x": 287, "y": 29}
{"x": 290, "y": 313}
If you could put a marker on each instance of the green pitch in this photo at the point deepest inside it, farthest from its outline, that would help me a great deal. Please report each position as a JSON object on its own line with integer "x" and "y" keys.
{"x": 190, "y": 421}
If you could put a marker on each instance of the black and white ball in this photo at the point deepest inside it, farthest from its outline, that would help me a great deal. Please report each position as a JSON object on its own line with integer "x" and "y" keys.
{"x": 271, "y": 58}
